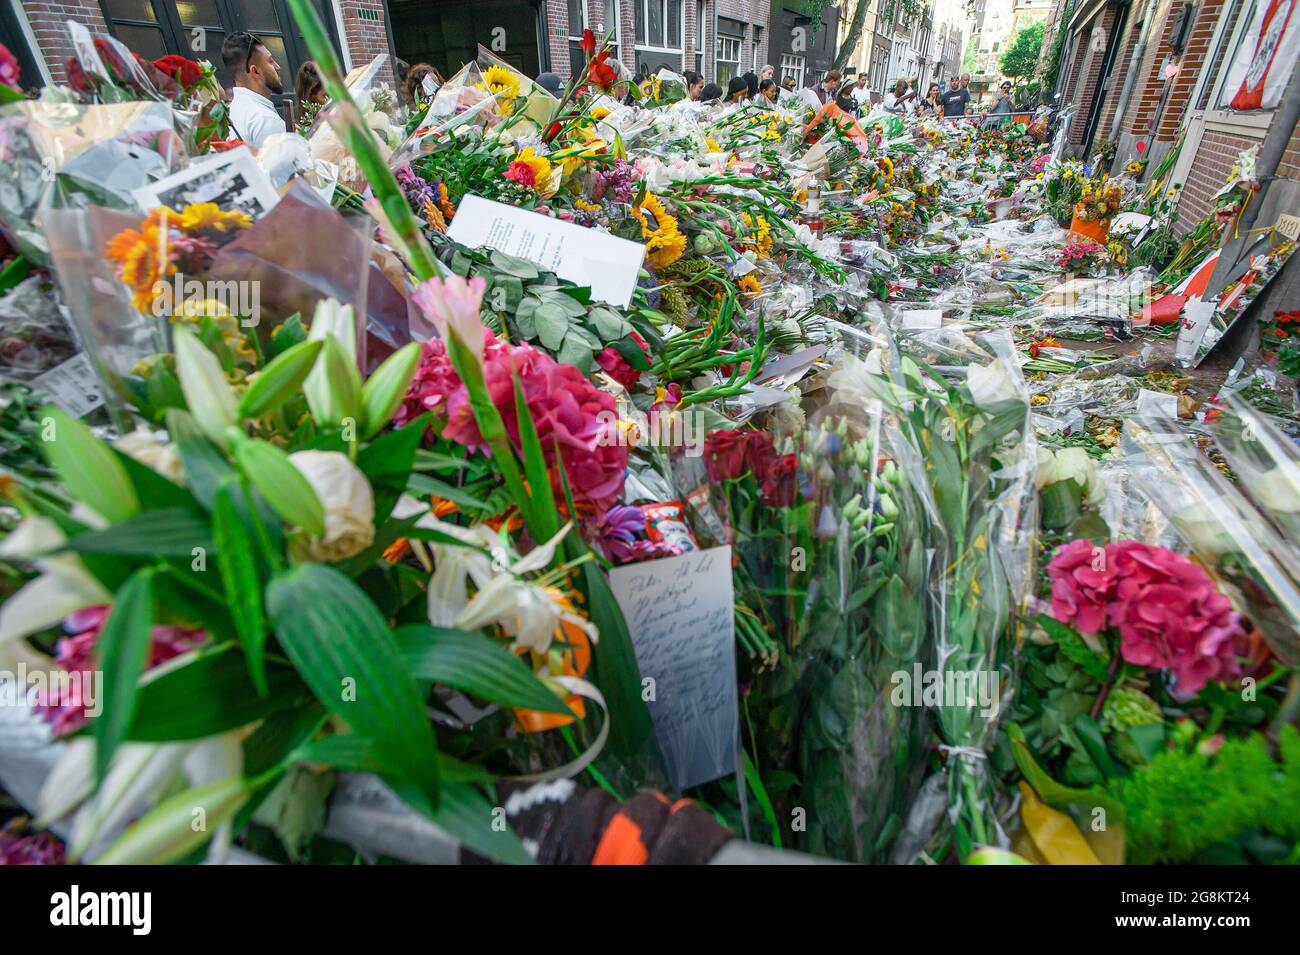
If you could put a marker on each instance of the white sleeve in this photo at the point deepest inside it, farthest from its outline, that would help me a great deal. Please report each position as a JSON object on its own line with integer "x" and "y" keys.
{"x": 262, "y": 123}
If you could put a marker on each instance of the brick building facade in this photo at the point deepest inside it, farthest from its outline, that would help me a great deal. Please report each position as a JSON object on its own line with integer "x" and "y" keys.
{"x": 717, "y": 38}
{"x": 1151, "y": 76}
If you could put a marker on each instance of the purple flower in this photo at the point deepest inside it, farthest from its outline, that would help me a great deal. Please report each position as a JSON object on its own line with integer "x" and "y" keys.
{"x": 36, "y": 848}
{"x": 416, "y": 190}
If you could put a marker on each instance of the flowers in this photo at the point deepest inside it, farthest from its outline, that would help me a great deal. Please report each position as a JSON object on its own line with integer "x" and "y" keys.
{"x": 529, "y": 170}
{"x": 568, "y": 411}
{"x": 452, "y": 304}
{"x": 612, "y": 362}
{"x": 502, "y": 84}
{"x": 166, "y": 242}
{"x": 349, "y": 506}
{"x": 184, "y": 71}
{"x": 729, "y": 455}
{"x": 1079, "y": 254}
{"x": 664, "y": 242}
{"x": 1168, "y": 611}
{"x": 10, "y": 75}
{"x": 600, "y": 72}
{"x": 725, "y": 454}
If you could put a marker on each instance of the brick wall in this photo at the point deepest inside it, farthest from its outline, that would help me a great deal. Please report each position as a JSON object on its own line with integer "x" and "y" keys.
{"x": 1090, "y": 77}
{"x": 47, "y": 22}
{"x": 1208, "y": 172}
{"x": 1289, "y": 168}
{"x": 1191, "y": 63}
{"x": 1151, "y": 82}
{"x": 1123, "y": 63}
{"x": 366, "y": 38}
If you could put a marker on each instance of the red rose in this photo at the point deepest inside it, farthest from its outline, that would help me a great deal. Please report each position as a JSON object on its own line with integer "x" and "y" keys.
{"x": 77, "y": 78}
{"x": 601, "y": 73}
{"x": 617, "y": 367}
{"x": 780, "y": 481}
{"x": 724, "y": 455}
{"x": 760, "y": 452}
{"x": 184, "y": 71}
{"x": 588, "y": 43}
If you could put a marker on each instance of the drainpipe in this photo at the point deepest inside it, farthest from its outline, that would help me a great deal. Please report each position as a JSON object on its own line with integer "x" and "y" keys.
{"x": 1285, "y": 117}
{"x": 1130, "y": 78}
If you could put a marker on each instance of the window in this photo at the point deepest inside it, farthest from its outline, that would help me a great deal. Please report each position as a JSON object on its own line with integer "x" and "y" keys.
{"x": 727, "y": 55}
{"x": 197, "y": 28}
{"x": 659, "y": 24}
{"x": 792, "y": 66}
{"x": 579, "y": 20}
{"x": 701, "y": 21}
{"x": 758, "y": 42}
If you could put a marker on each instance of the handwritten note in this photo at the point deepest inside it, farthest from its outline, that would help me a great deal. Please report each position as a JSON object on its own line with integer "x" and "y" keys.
{"x": 680, "y": 614}
{"x": 606, "y": 263}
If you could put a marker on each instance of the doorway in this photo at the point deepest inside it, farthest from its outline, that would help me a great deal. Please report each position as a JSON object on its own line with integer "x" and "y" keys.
{"x": 447, "y": 33}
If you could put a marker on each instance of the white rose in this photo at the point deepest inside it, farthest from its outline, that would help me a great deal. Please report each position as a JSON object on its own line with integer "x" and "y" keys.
{"x": 348, "y": 502}
{"x": 1278, "y": 489}
{"x": 146, "y": 447}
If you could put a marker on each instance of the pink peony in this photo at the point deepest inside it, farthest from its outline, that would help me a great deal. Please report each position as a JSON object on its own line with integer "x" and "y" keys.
{"x": 1171, "y": 616}
{"x": 568, "y": 411}
{"x": 1083, "y": 580}
{"x": 453, "y": 303}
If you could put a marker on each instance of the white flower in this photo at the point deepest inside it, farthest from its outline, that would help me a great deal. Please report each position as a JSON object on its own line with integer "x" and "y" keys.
{"x": 991, "y": 383}
{"x": 150, "y": 449}
{"x": 1070, "y": 464}
{"x": 63, "y": 586}
{"x": 348, "y": 502}
{"x": 1278, "y": 489}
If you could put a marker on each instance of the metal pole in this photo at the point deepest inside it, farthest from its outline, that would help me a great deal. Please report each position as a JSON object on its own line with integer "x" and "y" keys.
{"x": 1285, "y": 117}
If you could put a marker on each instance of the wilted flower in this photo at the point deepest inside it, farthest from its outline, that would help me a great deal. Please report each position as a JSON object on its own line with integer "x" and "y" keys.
{"x": 349, "y": 505}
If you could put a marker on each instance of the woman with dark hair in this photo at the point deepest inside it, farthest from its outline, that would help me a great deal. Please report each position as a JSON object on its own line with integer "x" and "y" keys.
{"x": 767, "y": 89}
{"x": 309, "y": 93}
{"x": 751, "y": 80}
{"x": 711, "y": 93}
{"x": 694, "y": 85}
{"x": 414, "y": 84}
{"x": 737, "y": 90}
{"x": 931, "y": 102}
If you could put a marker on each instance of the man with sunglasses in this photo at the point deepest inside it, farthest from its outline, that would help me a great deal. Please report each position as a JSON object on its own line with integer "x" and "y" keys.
{"x": 257, "y": 78}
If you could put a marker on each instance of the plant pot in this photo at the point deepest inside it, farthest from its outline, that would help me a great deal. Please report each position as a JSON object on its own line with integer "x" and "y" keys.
{"x": 1096, "y": 230}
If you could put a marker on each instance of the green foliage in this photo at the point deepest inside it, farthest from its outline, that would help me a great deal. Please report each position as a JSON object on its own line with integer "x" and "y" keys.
{"x": 1020, "y": 60}
{"x": 1185, "y": 804}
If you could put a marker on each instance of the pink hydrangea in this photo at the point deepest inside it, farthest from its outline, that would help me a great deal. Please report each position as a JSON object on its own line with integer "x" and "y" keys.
{"x": 1083, "y": 581}
{"x": 568, "y": 411}
{"x": 9, "y": 71}
{"x": 1169, "y": 613}
{"x": 1171, "y": 616}
{"x": 76, "y": 654}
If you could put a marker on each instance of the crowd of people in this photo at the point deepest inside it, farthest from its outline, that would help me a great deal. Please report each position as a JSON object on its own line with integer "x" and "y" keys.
{"x": 257, "y": 78}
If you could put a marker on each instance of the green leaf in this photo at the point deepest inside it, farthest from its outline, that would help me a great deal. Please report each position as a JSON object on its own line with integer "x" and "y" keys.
{"x": 610, "y": 325}
{"x": 476, "y": 664}
{"x": 123, "y": 649}
{"x": 546, "y": 517}
{"x": 239, "y": 577}
{"x": 285, "y": 488}
{"x": 280, "y": 380}
{"x": 513, "y": 265}
{"x": 1089, "y": 734}
{"x": 345, "y": 652}
{"x": 205, "y": 466}
{"x": 290, "y": 333}
{"x": 385, "y": 390}
{"x": 210, "y": 694}
{"x": 467, "y": 816}
{"x": 171, "y": 532}
{"x": 167, "y": 832}
{"x": 1072, "y": 645}
{"x": 552, "y": 325}
{"x": 87, "y": 467}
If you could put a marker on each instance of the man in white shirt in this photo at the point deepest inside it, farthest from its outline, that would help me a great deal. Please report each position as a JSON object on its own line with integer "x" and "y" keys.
{"x": 861, "y": 95}
{"x": 253, "y": 117}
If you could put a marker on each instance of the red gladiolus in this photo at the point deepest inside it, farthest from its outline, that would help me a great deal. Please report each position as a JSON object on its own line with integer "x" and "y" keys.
{"x": 552, "y": 131}
{"x": 184, "y": 71}
{"x": 601, "y": 73}
{"x": 780, "y": 482}
{"x": 588, "y": 43}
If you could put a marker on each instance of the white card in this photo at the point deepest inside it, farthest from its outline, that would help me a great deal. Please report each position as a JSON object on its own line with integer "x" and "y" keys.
{"x": 72, "y": 385}
{"x": 608, "y": 264}
{"x": 680, "y": 614}
{"x": 233, "y": 180}
{"x": 922, "y": 318}
{"x": 1196, "y": 321}
{"x": 1156, "y": 404}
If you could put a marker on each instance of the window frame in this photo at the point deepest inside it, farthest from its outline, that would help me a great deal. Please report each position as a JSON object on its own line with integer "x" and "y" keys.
{"x": 643, "y": 6}
{"x": 719, "y": 59}
{"x": 789, "y": 69}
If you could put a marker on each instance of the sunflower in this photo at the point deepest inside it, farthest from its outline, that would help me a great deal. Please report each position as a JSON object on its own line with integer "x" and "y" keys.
{"x": 504, "y": 85}
{"x": 760, "y": 230}
{"x": 599, "y": 113}
{"x": 750, "y": 285}
{"x": 209, "y": 217}
{"x": 664, "y": 242}
{"x": 712, "y": 145}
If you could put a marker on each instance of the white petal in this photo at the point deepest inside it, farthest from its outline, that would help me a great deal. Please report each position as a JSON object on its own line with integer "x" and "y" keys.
{"x": 540, "y": 557}
{"x": 47, "y": 599}
{"x": 139, "y": 774}
{"x": 69, "y": 783}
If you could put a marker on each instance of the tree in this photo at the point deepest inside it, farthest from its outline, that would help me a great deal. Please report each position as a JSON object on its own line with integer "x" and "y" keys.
{"x": 852, "y": 34}
{"x": 1020, "y": 60}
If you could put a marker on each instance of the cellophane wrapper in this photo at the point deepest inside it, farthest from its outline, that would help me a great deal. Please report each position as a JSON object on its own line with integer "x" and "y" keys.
{"x": 1250, "y": 560}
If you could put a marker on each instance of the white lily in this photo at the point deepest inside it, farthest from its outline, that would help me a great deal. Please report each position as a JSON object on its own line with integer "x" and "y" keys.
{"x": 64, "y": 584}
{"x": 208, "y": 394}
{"x": 991, "y": 383}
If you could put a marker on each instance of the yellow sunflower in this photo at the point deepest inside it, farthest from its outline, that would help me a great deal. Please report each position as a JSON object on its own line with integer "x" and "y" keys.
{"x": 750, "y": 285}
{"x": 760, "y": 231}
{"x": 664, "y": 242}
{"x": 504, "y": 85}
{"x": 209, "y": 217}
